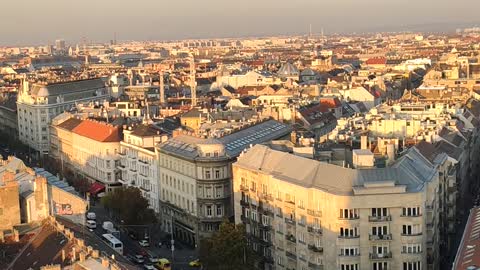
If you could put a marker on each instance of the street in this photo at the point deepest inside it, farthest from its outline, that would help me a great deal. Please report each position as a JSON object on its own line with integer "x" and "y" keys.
{"x": 182, "y": 254}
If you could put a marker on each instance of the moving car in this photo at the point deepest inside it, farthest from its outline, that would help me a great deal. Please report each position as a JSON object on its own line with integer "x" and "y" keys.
{"x": 195, "y": 263}
{"x": 144, "y": 243}
{"x": 164, "y": 264}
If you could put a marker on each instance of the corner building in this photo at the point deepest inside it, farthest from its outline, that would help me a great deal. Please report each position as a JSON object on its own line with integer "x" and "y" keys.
{"x": 306, "y": 215}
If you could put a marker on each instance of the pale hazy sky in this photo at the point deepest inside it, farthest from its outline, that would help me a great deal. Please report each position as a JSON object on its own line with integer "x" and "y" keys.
{"x": 43, "y": 21}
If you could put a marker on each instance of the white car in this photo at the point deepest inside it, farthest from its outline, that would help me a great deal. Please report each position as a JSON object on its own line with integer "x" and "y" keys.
{"x": 144, "y": 243}
{"x": 91, "y": 216}
{"x": 91, "y": 224}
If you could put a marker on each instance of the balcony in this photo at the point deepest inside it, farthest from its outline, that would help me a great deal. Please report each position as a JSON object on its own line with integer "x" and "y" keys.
{"x": 266, "y": 226}
{"x": 349, "y": 237}
{"x": 122, "y": 154}
{"x": 243, "y": 202}
{"x": 379, "y": 218}
{"x": 316, "y": 213}
{"x": 381, "y": 237}
{"x": 244, "y": 188}
{"x": 311, "y": 229}
{"x": 268, "y": 197}
{"x": 291, "y": 238}
{"x": 315, "y": 248}
{"x": 290, "y": 221}
{"x": 315, "y": 266}
{"x": 349, "y": 218}
{"x": 290, "y": 201}
{"x": 411, "y": 234}
{"x": 291, "y": 255}
{"x": 380, "y": 256}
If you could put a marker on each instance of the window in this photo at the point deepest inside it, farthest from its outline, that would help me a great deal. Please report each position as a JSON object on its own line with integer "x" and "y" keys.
{"x": 412, "y": 265}
{"x": 218, "y": 191}
{"x": 253, "y": 186}
{"x": 380, "y": 266}
{"x": 380, "y": 230}
{"x": 303, "y": 220}
{"x": 301, "y": 204}
{"x": 411, "y": 211}
{"x": 207, "y": 174}
{"x": 254, "y": 215}
{"x": 379, "y": 212}
{"x": 349, "y": 266}
{"x": 208, "y": 192}
{"x": 217, "y": 173}
{"x": 349, "y": 214}
{"x": 209, "y": 210}
{"x": 349, "y": 232}
{"x": 301, "y": 237}
{"x": 219, "y": 210}
{"x": 411, "y": 229}
{"x": 349, "y": 251}
{"x": 278, "y": 211}
{"x": 265, "y": 220}
{"x": 412, "y": 248}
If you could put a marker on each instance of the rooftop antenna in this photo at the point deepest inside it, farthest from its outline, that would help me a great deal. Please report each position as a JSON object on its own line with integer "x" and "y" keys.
{"x": 310, "y": 32}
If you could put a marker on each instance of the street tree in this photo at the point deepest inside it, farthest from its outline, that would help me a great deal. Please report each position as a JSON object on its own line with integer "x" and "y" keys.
{"x": 227, "y": 249}
{"x": 129, "y": 205}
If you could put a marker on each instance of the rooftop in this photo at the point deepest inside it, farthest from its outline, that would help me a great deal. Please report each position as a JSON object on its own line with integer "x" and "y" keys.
{"x": 411, "y": 171}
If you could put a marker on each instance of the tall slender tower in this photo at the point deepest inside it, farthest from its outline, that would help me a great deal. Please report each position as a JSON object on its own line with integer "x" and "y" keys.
{"x": 162, "y": 88}
{"x": 193, "y": 86}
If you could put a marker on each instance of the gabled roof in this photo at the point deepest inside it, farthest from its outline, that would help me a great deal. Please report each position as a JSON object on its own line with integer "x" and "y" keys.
{"x": 376, "y": 61}
{"x": 70, "y": 124}
{"x": 98, "y": 131}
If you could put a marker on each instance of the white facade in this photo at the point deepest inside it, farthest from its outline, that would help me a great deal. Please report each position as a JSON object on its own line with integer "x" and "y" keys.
{"x": 139, "y": 164}
{"x": 39, "y": 104}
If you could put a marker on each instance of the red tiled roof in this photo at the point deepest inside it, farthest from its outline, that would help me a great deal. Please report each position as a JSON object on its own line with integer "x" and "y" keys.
{"x": 332, "y": 102}
{"x": 376, "y": 61}
{"x": 98, "y": 131}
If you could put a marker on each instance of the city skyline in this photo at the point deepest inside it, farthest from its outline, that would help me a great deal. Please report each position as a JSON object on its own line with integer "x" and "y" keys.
{"x": 42, "y": 23}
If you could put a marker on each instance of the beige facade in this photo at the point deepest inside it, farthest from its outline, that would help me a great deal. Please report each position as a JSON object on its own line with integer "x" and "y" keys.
{"x": 86, "y": 152}
{"x": 324, "y": 216}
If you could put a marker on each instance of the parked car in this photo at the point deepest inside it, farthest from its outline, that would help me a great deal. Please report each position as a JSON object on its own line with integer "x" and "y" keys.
{"x": 148, "y": 266}
{"x": 138, "y": 259}
{"x": 91, "y": 224}
{"x": 153, "y": 259}
{"x": 91, "y": 216}
{"x": 144, "y": 243}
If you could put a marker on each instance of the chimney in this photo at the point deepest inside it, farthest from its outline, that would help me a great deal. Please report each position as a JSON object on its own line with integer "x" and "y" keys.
{"x": 391, "y": 152}
{"x": 82, "y": 256}
{"x": 293, "y": 137}
{"x": 364, "y": 142}
{"x": 105, "y": 262}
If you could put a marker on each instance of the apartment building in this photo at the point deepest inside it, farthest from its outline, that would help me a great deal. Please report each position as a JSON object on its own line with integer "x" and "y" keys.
{"x": 38, "y": 104}
{"x": 87, "y": 147}
{"x": 138, "y": 160}
{"x": 303, "y": 214}
{"x": 195, "y": 177}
